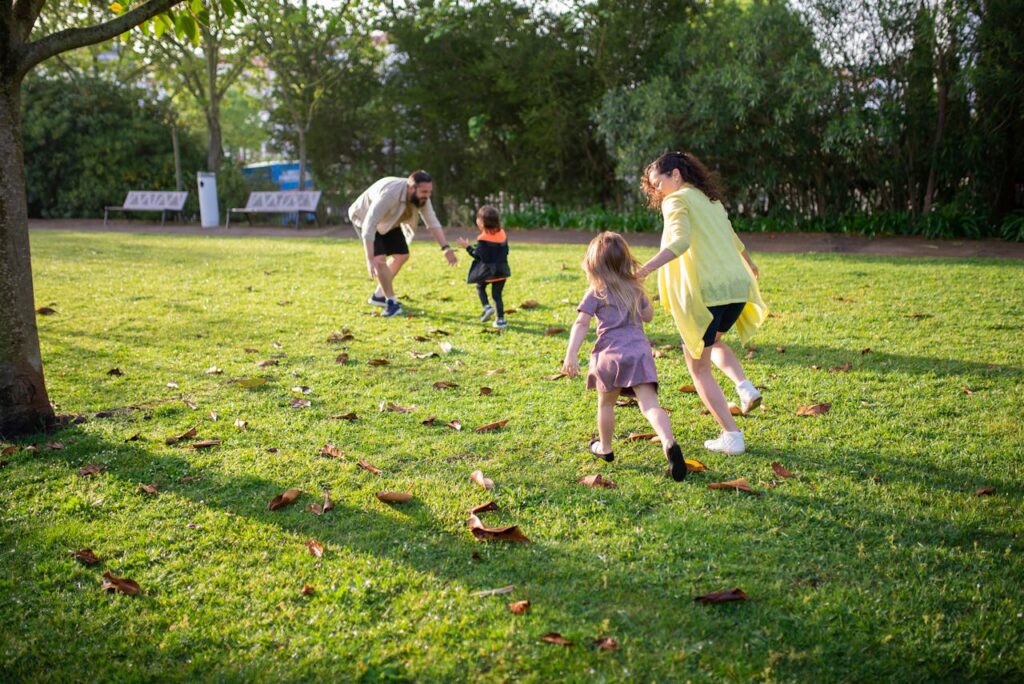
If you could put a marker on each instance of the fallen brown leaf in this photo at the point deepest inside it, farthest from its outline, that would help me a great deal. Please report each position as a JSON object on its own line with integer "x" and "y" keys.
{"x": 423, "y": 355}
{"x": 283, "y": 500}
{"x": 346, "y": 416}
{"x": 865, "y": 350}
{"x": 307, "y": 590}
{"x": 658, "y": 353}
{"x": 695, "y": 466}
{"x": 483, "y": 508}
{"x": 421, "y": 338}
{"x": 439, "y": 332}
{"x": 714, "y": 597}
{"x": 394, "y": 497}
{"x": 341, "y": 358}
{"x": 115, "y": 372}
{"x": 814, "y": 409}
{"x": 749, "y": 355}
{"x": 331, "y": 451}
{"x": 816, "y": 368}
{"x": 984, "y": 491}
{"x": 917, "y": 315}
{"x": 845, "y": 368}
{"x": 557, "y": 376}
{"x": 688, "y": 389}
{"x": 455, "y": 425}
{"x": 966, "y": 390}
{"x": 734, "y": 409}
{"x": 781, "y": 350}
{"x": 496, "y": 371}
{"x": 637, "y": 437}
{"x": 267, "y": 363}
{"x": 340, "y": 337}
{"x": 213, "y": 370}
{"x": 606, "y": 644}
{"x": 492, "y": 426}
{"x": 510, "y": 310}
{"x": 188, "y": 434}
{"x": 556, "y": 638}
{"x": 493, "y": 592}
{"x": 92, "y": 469}
{"x": 506, "y": 534}
{"x": 31, "y": 449}
{"x": 529, "y": 304}
{"x": 597, "y": 481}
{"x": 739, "y": 484}
{"x": 172, "y": 385}
{"x": 45, "y": 311}
{"x": 429, "y": 421}
{"x": 57, "y": 446}
{"x": 205, "y": 444}
{"x": 780, "y": 470}
{"x": 315, "y": 548}
{"x": 250, "y": 350}
{"x": 377, "y": 362}
{"x": 365, "y": 465}
{"x": 297, "y": 403}
{"x": 318, "y": 509}
{"x": 191, "y": 404}
{"x": 213, "y": 416}
{"x": 554, "y": 330}
{"x": 444, "y": 384}
{"x": 149, "y": 488}
{"x": 249, "y": 383}
{"x": 519, "y": 607}
{"x": 8, "y": 450}
{"x": 477, "y": 476}
{"x": 86, "y": 556}
{"x": 486, "y": 391}
{"x": 121, "y": 584}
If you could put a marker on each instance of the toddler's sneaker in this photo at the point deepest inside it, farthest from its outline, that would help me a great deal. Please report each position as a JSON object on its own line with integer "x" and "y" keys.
{"x": 728, "y": 443}
{"x": 500, "y": 324}
{"x": 377, "y": 301}
{"x": 750, "y": 398}
{"x": 393, "y": 308}
{"x": 487, "y": 314}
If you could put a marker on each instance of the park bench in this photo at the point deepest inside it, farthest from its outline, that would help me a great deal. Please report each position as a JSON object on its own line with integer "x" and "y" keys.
{"x": 284, "y": 202}
{"x": 150, "y": 200}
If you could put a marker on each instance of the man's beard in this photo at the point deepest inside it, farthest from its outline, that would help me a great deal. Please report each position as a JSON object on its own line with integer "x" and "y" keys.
{"x": 418, "y": 201}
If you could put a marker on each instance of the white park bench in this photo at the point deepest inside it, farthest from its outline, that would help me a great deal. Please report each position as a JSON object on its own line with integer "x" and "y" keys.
{"x": 150, "y": 200}
{"x": 284, "y": 202}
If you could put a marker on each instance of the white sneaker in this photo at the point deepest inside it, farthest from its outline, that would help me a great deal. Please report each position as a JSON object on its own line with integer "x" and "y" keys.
{"x": 728, "y": 443}
{"x": 487, "y": 314}
{"x": 750, "y": 398}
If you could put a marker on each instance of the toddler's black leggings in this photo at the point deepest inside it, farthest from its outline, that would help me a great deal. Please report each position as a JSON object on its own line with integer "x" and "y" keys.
{"x": 496, "y": 288}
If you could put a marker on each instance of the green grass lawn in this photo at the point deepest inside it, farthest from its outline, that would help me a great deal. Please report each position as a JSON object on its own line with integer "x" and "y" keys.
{"x": 878, "y": 563}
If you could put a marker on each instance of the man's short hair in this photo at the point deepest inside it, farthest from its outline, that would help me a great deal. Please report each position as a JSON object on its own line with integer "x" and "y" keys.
{"x": 420, "y": 176}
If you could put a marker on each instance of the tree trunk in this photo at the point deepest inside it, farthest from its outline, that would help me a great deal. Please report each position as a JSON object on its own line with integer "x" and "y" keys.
{"x": 24, "y": 404}
{"x": 178, "y": 184}
{"x": 302, "y": 159}
{"x": 215, "y": 144}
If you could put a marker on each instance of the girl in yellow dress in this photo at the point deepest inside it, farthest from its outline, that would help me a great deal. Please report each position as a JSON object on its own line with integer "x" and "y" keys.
{"x": 706, "y": 281}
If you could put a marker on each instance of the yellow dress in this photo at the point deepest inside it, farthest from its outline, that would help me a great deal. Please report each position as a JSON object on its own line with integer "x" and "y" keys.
{"x": 709, "y": 270}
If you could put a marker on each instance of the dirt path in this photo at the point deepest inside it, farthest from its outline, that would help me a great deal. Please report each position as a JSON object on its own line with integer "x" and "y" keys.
{"x": 756, "y": 242}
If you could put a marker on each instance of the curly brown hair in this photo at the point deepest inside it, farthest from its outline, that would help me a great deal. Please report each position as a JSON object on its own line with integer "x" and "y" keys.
{"x": 692, "y": 170}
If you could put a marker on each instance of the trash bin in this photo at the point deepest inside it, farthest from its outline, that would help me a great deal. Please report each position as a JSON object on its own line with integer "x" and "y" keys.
{"x": 209, "y": 212}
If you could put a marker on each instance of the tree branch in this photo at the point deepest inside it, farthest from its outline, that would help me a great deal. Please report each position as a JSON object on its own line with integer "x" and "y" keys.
{"x": 69, "y": 39}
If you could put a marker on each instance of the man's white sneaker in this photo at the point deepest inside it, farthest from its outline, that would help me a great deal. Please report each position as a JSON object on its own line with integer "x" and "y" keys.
{"x": 750, "y": 398}
{"x": 728, "y": 443}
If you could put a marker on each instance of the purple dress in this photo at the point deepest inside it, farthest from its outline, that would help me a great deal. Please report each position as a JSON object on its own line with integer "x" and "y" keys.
{"x": 621, "y": 357}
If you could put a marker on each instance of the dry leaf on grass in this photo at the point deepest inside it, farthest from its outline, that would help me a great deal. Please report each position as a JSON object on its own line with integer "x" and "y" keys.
{"x": 315, "y": 548}
{"x": 626, "y": 401}
{"x": 688, "y": 389}
{"x": 966, "y": 390}
{"x": 365, "y": 465}
{"x": 92, "y": 469}
{"x": 554, "y": 330}
{"x": 658, "y": 353}
{"x": 749, "y": 355}
{"x": 121, "y": 584}
{"x": 780, "y": 470}
{"x": 301, "y": 389}
{"x": 331, "y": 451}
{"x": 734, "y": 410}
{"x": 266, "y": 363}
{"x": 394, "y": 497}
{"x": 637, "y": 437}
{"x": 529, "y": 304}
{"x": 241, "y": 424}
{"x": 597, "y": 481}
{"x": 486, "y": 391}
{"x": 277, "y": 345}
{"x": 45, "y": 311}
{"x": 31, "y": 449}
{"x": 423, "y": 355}
{"x": 695, "y": 466}
{"x": 845, "y": 368}
{"x": 814, "y": 409}
{"x": 392, "y": 406}
{"x": 506, "y": 534}
{"x": 346, "y": 416}
{"x": 213, "y": 370}
{"x": 188, "y": 434}
{"x": 496, "y": 371}
{"x": 556, "y": 638}
{"x": 57, "y": 446}
{"x": 191, "y": 404}
{"x": 297, "y": 403}
{"x": 439, "y": 332}
{"x": 249, "y": 383}
{"x": 205, "y": 444}
{"x": 606, "y": 644}
{"x": 492, "y": 426}
{"x": 149, "y": 488}
{"x": 213, "y": 416}
{"x": 319, "y": 509}
{"x": 283, "y": 500}
{"x": 86, "y": 556}
{"x": 477, "y": 476}
{"x": 557, "y": 376}
{"x": 8, "y": 450}
{"x": 483, "y": 508}
{"x": 429, "y": 421}
{"x": 494, "y": 592}
{"x": 307, "y": 590}
{"x": 714, "y": 597}
{"x": 444, "y": 384}
{"x": 341, "y": 358}
{"x": 739, "y": 484}
{"x": 455, "y": 425}
{"x": 250, "y": 350}
{"x": 115, "y": 372}
{"x": 172, "y": 385}
{"x": 781, "y": 350}
{"x": 519, "y": 607}
{"x": 340, "y": 337}
{"x": 984, "y": 491}
{"x": 377, "y": 362}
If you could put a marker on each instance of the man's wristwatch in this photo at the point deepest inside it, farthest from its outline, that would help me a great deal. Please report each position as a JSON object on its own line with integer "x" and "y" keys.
{"x": 445, "y": 247}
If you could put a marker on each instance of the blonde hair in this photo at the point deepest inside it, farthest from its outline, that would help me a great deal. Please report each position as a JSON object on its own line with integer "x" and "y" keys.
{"x": 611, "y": 272}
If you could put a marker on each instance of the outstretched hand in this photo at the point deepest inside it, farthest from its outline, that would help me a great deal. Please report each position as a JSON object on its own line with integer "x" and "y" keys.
{"x": 463, "y": 242}
{"x": 449, "y": 254}
{"x": 571, "y": 367}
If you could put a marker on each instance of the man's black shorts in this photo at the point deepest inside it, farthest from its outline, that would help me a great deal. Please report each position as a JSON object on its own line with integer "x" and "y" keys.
{"x": 391, "y": 242}
{"x": 722, "y": 319}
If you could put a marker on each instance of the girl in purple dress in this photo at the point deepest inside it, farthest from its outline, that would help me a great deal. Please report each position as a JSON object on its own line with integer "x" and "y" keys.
{"x": 621, "y": 361}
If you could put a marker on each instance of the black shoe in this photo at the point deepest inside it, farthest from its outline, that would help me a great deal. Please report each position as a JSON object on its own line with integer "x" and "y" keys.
{"x": 678, "y": 464}
{"x": 393, "y": 308}
{"x": 609, "y": 457}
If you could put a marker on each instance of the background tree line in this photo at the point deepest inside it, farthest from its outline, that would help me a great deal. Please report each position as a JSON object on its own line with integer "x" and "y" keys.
{"x": 896, "y": 116}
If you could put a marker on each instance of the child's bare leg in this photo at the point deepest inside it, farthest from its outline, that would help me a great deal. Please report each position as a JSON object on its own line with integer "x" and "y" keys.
{"x": 606, "y": 418}
{"x": 647, "y": 397}
{"x": 709, "y": 391}
{"x": 723, "y": 356}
